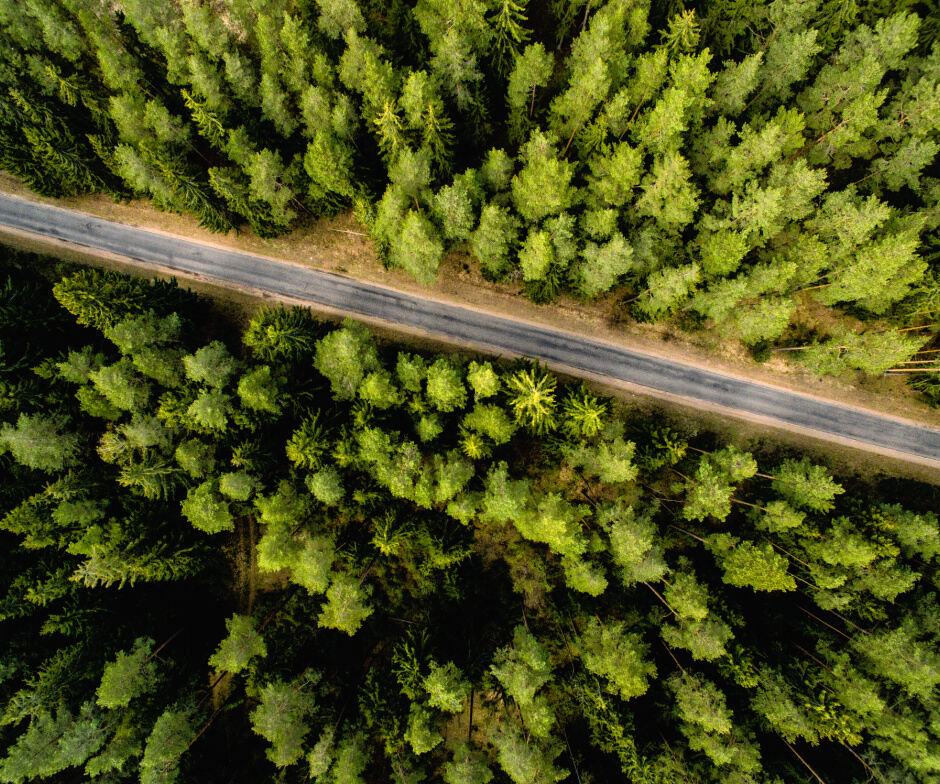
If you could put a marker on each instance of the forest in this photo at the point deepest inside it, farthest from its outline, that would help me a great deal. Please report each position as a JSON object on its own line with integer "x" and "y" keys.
{"x": 287, "y": 551}
{"x": 766, "y": 170}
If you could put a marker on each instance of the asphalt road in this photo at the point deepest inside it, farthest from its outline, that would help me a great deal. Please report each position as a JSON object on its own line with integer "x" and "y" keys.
{"x": 665, "y": 377}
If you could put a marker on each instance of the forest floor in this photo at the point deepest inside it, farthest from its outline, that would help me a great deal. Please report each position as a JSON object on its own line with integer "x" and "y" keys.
{"x": 340, "y": 245}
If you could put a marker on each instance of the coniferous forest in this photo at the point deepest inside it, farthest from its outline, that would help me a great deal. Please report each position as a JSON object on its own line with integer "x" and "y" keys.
{"x": 723, "y": 163}
{"x": 281, "y": 549}
{"x": 292, "y": 553}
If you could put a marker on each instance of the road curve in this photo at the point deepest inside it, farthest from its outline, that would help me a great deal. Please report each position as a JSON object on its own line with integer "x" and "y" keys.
{"x": 660, "y": 376}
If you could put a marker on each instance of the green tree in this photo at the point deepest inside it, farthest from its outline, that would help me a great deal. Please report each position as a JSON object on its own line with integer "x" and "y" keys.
{"x": 207, "y": 510}
{"x": 667, "y": 287}
{"x": 242, "y": 644}
{"x": 543, "y": 186}
{"x": 602, "y": 266}
{"x": 750, "y": 564}
{"x": 493, "y": 239}
{"x": 417, "y": 248}
{"x": 281, "y": 718}
{"x": 452, "y": 207}
{"x": 527, "y": 761}
{"x": 537, "y": 255}
{"x": 445, "y": 388}
{"x": 669, "y": 197}
{"x": 346, "y": 605}
{"x": 344, "y": 357}
{"x": 210, "y": 411}
{"x": 169, "y": 739}
{"x": 522, "y": 669}
{"x": 447, "y": 689}
{"x": 466, "y": 766}
{"x": 280, "y": 334}
{"x": 259, "y": 390}
{"x": 635, "y": 546}
{"x": 38, "y": 441}
{"x": 706, "y": 723}
{"x": 379, "y": 390}
{"x": 616, "y": 656}
{"x": 122, "y": 386}
{"x": 805, "y": 485}
{"x": 508, "y": 20}
{"x": 531, "y": 395}
{"x": 131, "y": 675}
{"x": 308, "y": 444}
{"x": 531, "y": 69}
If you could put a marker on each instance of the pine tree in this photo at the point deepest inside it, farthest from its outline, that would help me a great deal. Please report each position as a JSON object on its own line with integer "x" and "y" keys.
{"x": 417, "y": 248}
{"x": 169, "y": 739}
{"x": 339, "y": 16}
{"x": 537, "y": 255}
{"x": 378, "y": 390}
{"x": 281, "y": 717}
{"x": 466, "y": 766}
{"x": 281, "y": 334}
{"x": 805, "y": 485}
{"x": 344, "y": 357}
{"x": 669, "y": 197}
{"x": 527, "y": 761}
{"x": 446, "y": 688}
{"x": 602, "y": 266}
{"x": 39, "y": 442}
{"x": 242, "y": 644}
{"x": 445, "y": 389}
{"x": 522, "y": 669}
{"x": 130, "y": 676}
{"x": 453, "y": 208}
{"x": 615, "y": 173}
{"x": 543, "y": 186}
{"x": 210, "y": 412}
{"x": 346, "y": 605}
{"x": 207, "y": 510}
{"x": 667, "y": 287}
{"x": 634, "y": 544}
{"x": 259, "y": 390}
{"x": 595, "y": 66}
{"x": 751, "y": 565}
{"x": 609, "y": 652}
{"x": 328, "y": 162}
{"x": 531, "y": 395}
{"x": 493, "y": 240}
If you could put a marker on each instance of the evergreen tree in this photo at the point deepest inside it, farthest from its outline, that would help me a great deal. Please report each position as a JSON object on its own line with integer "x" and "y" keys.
{"x": 281, "y": 718}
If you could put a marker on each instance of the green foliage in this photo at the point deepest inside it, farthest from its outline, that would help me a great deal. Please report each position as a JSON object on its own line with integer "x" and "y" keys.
{"x": 168, "y": 740}
{"x": 38, "y": 442}
{"x": 242, "y": 644}
{"x": 752, "y": 565}
{"x": 417, "y": 248}
{"x": 531, "y": 395}
{"x": 346, "y": 605}
{"x": 610, "y": 653}
{"x": 806, "y": 485}
{"x": 764, "y": 169}
{"x": 542, "y": 186}
{"x": 258, "y": 390}
{"x": 522, "y": 669}
{"x": 281, "y": 718}
{"x": 445, "y": 389}
{"x": 446, "y": 688}
{"x": 493, "y": 239}
{"x": 344, "y": 357}
{"x": 128, "y": 677}
{"x": 207, "y": 510}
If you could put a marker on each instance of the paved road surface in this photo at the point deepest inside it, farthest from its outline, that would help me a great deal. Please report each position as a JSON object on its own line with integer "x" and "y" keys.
{"x": 665, "y": 377}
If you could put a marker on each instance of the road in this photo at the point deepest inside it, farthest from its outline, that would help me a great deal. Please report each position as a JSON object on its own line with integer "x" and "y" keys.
{"x": 658, "y": 376}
